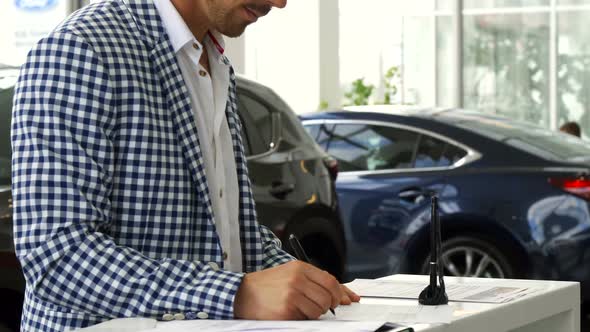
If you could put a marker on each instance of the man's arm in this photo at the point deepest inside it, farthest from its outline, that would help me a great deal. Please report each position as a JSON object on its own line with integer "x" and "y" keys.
{"x": 63, "y": 174}
{"x": 273, "y": 253}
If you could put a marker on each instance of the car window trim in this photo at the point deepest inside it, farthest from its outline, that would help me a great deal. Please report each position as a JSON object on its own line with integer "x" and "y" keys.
{"x": 471, "y": 156}
{"x": 274, "y": 116}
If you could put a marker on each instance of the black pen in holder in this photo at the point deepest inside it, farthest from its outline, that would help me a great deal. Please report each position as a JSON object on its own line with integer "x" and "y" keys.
{"x": 434, "y": 294}
{"x": 300, "y": 254}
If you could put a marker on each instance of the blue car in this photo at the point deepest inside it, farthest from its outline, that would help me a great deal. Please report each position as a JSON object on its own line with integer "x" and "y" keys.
{"x": 514, "y": 197}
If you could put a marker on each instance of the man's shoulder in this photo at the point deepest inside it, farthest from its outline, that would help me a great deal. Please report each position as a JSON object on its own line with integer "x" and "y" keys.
{"x": 101, "y": 24}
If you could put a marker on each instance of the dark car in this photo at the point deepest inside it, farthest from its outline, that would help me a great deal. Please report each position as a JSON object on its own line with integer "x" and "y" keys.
{"x": 514, "y": 198}
{"x": 292, "y": 181}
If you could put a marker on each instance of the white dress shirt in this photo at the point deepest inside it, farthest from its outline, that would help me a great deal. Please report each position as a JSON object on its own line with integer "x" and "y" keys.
{"x": 209, "y": 96}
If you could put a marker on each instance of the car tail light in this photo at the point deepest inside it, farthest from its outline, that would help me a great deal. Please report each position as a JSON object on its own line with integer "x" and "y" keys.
{"x": 332, "y": 166}
{"x": 579, "y": 186}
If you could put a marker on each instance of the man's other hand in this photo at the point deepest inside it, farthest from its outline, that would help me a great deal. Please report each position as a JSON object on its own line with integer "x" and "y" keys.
{"x": 295, "y": 290}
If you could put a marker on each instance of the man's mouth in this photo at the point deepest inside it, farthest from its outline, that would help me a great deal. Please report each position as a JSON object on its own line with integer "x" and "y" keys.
{"x": 255, "y": 12}
{"x": 252, "y": 14}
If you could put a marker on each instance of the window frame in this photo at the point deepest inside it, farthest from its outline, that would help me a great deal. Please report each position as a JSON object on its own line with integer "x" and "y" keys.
{"x": 275, "y": 118}
{"x": 471, "y": 155}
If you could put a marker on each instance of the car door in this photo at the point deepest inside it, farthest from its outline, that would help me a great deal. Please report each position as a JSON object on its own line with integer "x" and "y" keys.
{"x": 386, "y": 172}
{"x": 270, "y": 169}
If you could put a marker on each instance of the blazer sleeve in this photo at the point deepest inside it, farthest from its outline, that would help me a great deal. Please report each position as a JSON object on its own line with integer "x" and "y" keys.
{"x": 63, "y": 165}
{"x": 273, "y": 253}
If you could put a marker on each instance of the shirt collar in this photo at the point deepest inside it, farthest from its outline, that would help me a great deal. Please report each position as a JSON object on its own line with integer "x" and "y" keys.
{"x": 177, "y": 30}
{"x": 180, "y": 34}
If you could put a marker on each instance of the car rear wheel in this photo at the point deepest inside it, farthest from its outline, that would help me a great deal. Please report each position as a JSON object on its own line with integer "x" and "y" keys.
{"x": 472, "y": 256}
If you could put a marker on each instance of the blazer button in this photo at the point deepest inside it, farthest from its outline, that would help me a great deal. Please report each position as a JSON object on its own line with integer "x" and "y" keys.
{"x": 167, "y": 317}
{"x": 202, "y": 73}
{"x": 202, "y": 315}
{"x": 179, "y": 316}
{"x": 225, "y": 255}
{"x": 214, "y": 266}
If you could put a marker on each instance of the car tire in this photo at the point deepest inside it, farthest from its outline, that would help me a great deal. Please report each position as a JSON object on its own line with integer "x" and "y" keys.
{"x": 473, "y": 256}
{"x": 323, "y": 243}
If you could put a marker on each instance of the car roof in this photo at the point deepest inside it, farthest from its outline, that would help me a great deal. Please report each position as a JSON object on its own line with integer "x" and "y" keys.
{"x": 489, "y": 133}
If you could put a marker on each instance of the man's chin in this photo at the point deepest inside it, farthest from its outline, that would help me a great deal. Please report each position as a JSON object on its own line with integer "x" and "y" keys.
{"x": 234, "y": 31}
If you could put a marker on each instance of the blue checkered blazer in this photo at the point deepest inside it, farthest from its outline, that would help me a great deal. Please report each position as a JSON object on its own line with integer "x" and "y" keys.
{"x": 111, "y": 207}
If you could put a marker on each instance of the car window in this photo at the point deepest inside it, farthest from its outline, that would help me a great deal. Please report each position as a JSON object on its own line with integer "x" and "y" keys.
{"x": 453, "y": 153}
{"x": 257, "y": 125}
{"x": 313, "y": 131}
{"x": 362, "y": 147}
{"x": 5, "y": 150}
{"x": 431, "y": 153}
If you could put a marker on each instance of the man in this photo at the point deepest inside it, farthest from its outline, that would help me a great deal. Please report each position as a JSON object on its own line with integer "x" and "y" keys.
{"x": 131, "y": 193}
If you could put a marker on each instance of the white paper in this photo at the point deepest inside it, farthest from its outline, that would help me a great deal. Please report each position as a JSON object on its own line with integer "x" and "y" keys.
{"x": 392, "y": 313}
{"x": 456, "y": 292}
{"x": 263, "y": 326}
{"x": 122, "y": 325}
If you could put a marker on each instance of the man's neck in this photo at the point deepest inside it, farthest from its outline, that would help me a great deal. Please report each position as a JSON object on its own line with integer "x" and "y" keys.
{"x": 193, "y": 14}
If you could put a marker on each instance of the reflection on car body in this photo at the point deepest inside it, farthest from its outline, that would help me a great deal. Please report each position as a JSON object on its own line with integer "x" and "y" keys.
{"x": 514, "y": 198}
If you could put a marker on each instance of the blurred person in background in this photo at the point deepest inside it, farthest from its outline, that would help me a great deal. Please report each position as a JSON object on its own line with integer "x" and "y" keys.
{"x": 571, "y": 128}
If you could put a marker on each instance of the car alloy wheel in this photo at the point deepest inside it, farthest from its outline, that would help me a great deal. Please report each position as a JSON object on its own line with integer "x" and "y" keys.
{"x": 464, "y": 261}
{"x": 472, "y": 256}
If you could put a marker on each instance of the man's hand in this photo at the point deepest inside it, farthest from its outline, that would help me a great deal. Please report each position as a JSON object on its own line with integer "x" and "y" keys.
{"x": 294, "y": 290}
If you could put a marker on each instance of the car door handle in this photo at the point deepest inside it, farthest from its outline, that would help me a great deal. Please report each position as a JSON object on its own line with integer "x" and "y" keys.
{"x": 280, "y": 190}
{"x": 411, "y": 194}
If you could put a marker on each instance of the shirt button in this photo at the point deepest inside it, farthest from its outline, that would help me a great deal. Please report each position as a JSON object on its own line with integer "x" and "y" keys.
{"x": 202, "y": 73}
{"x": 225, "y": 255}
{"x": 179, "y": 316}
{"x": 214, "y": 266}
{"x": 202, "y": 315}
{"x": 220, "y": 193}
{"x": 167, "y": 317}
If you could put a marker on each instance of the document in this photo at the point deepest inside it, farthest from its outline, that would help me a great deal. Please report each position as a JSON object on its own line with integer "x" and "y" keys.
{"x": 464, "y": 292}
{"x": 264, "y": 326}
{"x": 392, "y": 313}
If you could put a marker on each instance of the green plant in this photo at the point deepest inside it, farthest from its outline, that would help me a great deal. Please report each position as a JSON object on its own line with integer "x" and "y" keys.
{"x": 324, "y": 105}
{"x": 359, "y": 93}
{"x": 390, "y": 78}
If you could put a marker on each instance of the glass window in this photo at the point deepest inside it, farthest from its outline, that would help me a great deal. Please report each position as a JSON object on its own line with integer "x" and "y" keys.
{"x": 503, "y": 3}
{"x": 418, "y": 63}
{"x": 453, "y": 154}
{"x": 313, "y": 130}
{"x": 430, "y": 153}
{"x": 445, "y": 63}
{"x": 573, "y": 2}
{"x": 257, "y": 124}
{"x": 573, "y": 73}
{"x": 506, "y": 64}
{"x": 359, "y": 147}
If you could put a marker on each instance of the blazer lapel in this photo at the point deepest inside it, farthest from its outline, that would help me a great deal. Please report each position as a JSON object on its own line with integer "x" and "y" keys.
{"x": 177, "y": 95}
{"x": 251, "y": 241}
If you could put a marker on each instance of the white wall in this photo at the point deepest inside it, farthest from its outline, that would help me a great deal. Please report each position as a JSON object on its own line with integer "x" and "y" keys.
{"x": 282, "y": 51}
{"x": 22, "y": 28}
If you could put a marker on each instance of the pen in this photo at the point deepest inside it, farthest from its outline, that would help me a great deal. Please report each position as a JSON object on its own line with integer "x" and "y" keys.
{"x": 301, "y": 255}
